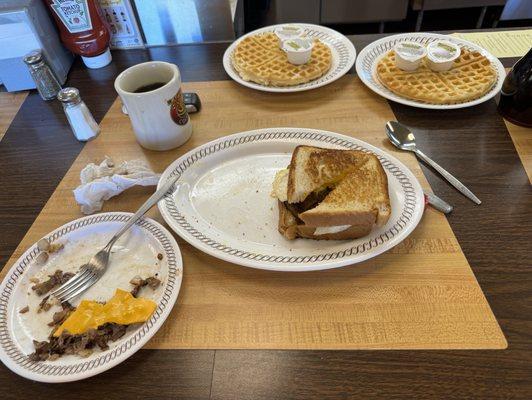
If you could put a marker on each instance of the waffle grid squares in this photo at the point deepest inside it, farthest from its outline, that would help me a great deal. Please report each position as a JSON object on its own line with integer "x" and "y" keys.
{"x": 259, "y": 59}
{"x": 470, "y": 78}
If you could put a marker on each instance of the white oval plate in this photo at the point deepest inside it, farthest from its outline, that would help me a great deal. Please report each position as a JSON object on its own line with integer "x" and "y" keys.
{"x": 343, "y": 58}
{"x": 370, "y": 55}
{"x": 221, "y": 203}
{"x": 134, "y": 254}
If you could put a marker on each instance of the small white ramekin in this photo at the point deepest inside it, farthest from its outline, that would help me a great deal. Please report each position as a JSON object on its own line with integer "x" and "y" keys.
{"x": 298, "y": 50}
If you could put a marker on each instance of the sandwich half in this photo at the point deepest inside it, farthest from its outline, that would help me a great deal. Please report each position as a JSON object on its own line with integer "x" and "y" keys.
{"x": 331, "y": 194}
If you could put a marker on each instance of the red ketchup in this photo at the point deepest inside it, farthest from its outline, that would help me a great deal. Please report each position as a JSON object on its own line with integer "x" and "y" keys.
{"x": 82, "y": 30}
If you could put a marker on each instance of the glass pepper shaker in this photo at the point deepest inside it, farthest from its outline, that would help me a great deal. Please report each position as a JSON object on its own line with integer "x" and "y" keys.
{"x": 78, "y": 114}
{"x": 45, "y": 80}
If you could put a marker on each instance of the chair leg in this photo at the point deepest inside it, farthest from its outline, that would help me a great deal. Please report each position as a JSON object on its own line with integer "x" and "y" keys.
{"x": 481, "y": 17}
{"x": 419, "y": 20}
{"x": 239, "y": 19}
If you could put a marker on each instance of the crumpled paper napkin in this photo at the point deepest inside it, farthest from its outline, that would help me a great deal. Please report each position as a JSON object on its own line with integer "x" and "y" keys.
{"x": 101, "y": 182}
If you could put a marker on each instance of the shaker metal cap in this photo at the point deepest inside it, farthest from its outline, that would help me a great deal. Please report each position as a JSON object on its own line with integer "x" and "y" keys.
{"x": 69, "y": 95}
{"x": 33, "y": 57}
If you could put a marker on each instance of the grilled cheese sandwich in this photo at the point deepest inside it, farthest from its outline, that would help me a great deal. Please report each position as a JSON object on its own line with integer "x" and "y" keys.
{"x": 331, "y": 194}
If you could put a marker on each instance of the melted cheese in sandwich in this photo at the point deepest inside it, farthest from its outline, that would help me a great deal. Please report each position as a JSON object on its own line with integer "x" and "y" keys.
{"x": 122, "y": 308}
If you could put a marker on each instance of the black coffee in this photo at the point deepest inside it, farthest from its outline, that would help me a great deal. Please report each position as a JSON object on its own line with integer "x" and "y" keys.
{"x": 150, "y": 87}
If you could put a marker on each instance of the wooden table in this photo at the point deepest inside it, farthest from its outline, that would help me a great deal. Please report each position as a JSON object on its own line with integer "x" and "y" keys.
{"x": 38, "y": 149}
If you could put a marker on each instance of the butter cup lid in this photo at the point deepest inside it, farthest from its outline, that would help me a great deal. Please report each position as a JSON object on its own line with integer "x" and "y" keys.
{"x": 288, "y": 31}
{"x": 442, "y": 51}
{"x": 410, "y": 51}
{"x": 297, "y": 45}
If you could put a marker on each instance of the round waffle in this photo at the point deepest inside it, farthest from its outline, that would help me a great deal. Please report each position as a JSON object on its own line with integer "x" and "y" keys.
{"x": 471, "y": 77}
{"x": 258, "y": 58}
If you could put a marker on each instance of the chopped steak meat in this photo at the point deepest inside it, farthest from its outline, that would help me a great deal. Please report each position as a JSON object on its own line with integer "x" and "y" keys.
{"x": 58, "y": 278}
{"x": 82, "y": 344}
{"x": 60, "y": 316}
{"x": 311, "y": 201}
{"x": 24, "y": 310}
{"x": 44, "y": 305}
{"x": 136, "y": 281}
{"x": 54, "y": 247}
{"x": 139, "y": 283}
{"x": 153, "y": 282}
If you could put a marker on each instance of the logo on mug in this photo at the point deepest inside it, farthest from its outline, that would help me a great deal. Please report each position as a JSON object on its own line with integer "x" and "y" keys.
{"x": 178, "y": 112}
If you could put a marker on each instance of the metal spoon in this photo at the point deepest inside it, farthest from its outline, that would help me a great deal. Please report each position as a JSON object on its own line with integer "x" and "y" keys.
{"x": 402, "y": 138}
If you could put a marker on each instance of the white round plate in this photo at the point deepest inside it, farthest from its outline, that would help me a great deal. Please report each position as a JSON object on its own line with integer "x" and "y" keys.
{"x": 221, "y": 203}
{"x": 369, "y": 57}
{"x": 134, "y": 254}
{"x": 343, "y": 58}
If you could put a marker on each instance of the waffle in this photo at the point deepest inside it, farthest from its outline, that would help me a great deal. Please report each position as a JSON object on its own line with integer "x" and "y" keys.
{"x": 470, "y": 77}
{"x": 258, "y": 58}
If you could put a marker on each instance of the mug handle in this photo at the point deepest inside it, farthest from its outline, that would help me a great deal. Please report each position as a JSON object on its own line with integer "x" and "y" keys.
{"x": 124, "y": 109}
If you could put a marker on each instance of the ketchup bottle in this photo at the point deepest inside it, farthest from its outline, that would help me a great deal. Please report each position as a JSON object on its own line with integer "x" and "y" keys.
{"x": 82, "y": 30}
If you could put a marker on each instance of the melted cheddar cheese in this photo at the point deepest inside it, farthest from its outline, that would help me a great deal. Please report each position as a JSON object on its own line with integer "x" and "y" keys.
{"x": 122, "y": 308}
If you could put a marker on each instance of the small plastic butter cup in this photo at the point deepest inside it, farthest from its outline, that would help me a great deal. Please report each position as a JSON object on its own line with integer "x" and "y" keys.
{"x": 408, "y": 55}
{"x": 298, "y": 50}
{"x": 441, "y": 55}
{"x": 285, "y": 32}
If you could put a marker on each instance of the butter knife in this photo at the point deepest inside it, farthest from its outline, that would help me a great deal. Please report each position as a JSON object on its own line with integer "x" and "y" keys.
{"x": 438, "y": 203}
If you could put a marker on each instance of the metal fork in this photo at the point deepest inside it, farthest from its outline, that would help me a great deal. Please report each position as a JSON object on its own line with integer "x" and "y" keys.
{"x": 89, "y": 273}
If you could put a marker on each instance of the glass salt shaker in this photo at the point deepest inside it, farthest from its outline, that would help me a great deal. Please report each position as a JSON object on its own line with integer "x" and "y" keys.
{"x": 45, "y": 80}
{"x": 78, "y": 114}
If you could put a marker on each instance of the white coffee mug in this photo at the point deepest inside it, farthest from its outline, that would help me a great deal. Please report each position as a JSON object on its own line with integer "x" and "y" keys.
{"x": 151, "y": 94}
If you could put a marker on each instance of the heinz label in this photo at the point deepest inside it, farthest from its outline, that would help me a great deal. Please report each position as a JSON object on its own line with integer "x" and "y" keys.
{"x": 74, "y": 14}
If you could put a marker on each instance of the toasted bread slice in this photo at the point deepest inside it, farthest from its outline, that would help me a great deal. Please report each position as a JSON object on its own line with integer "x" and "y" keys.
{"x": 313, "y": 169}
{"x": 290, "y": 228}
{"x": 360, "y": 198}
{"x": 357, "y": 193}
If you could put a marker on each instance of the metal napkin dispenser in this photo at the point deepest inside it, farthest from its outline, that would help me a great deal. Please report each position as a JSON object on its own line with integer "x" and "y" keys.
{"x": 25, "y": 26}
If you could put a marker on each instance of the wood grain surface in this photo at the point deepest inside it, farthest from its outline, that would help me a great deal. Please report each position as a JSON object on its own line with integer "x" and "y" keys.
{"x": 522, "y": 138}
{"x": 420, "y": 295}
{"x": 473, "y": 143}
{"x": 40, "y": 132}
{"x": 9, "y": 104}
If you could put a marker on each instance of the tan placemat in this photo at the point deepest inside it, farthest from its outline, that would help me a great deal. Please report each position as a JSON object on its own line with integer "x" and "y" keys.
{"x": 420, "y": 295}
{"x": 9, "y": 105}
{"x": 522, "y": 138}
